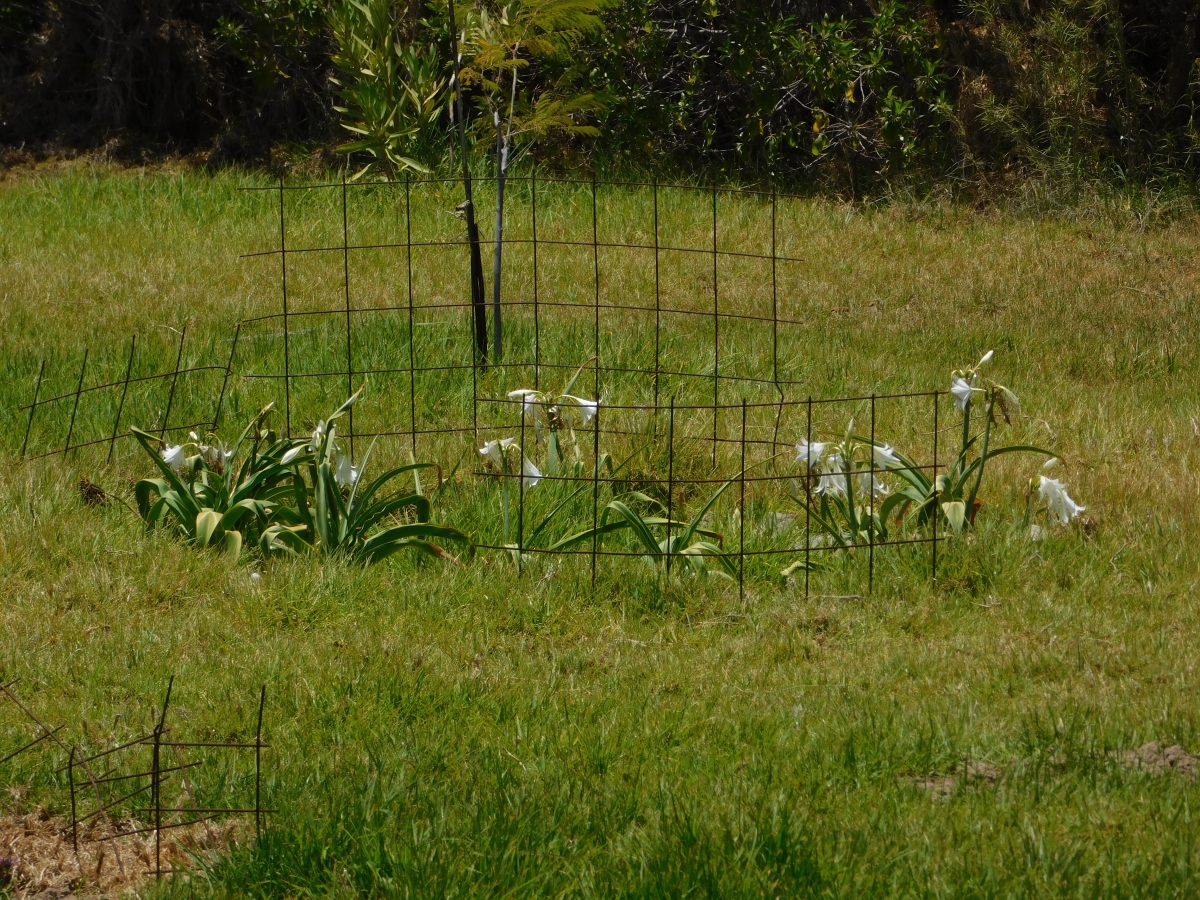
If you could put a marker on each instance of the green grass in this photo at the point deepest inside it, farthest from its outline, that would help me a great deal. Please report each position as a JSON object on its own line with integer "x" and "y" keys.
{"x": 462, "y": 731}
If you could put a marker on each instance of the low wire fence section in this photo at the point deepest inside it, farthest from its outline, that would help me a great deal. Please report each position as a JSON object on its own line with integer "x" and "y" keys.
{"x": 159, "y": 391}
{"x": 661, "y": 289}
{"x": 798, "y": 488}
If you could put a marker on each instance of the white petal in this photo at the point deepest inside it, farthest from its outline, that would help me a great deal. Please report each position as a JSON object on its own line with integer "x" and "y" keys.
{"x": 530, "y": 474}
{"x": 174, "y": 457}
{"x": 589, "y": 408}
{"x": 810, "y": 454}
{"x": 986, "y": 358}
{"x": 961, "y": 389}
{"x": 291, "y": 454}
{"x": 344, "y": 472}
{"x": 885, "y": 457}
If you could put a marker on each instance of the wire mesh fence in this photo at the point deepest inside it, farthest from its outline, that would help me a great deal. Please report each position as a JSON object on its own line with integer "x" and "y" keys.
{"x": 675, "y": 308}
{"x": 124, "y": 787}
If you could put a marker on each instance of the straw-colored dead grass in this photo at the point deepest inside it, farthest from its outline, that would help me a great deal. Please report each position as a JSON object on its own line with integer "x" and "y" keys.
{"x": 41, "y": 861}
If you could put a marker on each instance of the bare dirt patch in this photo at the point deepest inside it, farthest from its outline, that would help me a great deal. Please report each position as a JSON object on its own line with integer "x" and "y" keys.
{"x": 1155, "y": 760}
{"x": 941, "y": 786}
{"x": 37, "y": 857}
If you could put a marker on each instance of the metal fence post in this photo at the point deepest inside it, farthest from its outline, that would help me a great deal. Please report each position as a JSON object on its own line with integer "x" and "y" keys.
{"x": 37, "y": 390}
{"x": 75, "y": 408}
{"x": 174, "y": 381}
{"x": 125, "y": 389}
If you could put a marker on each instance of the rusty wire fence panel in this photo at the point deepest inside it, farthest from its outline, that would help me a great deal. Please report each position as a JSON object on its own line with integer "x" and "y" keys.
{"x": 679, "y": 303}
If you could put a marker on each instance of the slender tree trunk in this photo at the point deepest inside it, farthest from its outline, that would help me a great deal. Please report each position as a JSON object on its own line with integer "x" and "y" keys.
{"x": 501, "y": 176}
{"x": 478, "y": 301}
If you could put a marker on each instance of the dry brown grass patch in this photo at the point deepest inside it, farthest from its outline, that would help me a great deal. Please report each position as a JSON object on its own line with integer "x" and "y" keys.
{"x": 42, "y": 861}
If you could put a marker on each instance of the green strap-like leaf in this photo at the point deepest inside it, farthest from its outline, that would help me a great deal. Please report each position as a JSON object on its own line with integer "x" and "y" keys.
{"x": 575, "y": 540}
{"x": 364, "y": 499}
{"x": 291, "y": 539}
{"x": 208, "y": 523}
{"x": 148, "y": 442}
{"x": 956, "y": 514}
{"x": 385, "y": 508}
{"x": 638, "y": 525}
{"x": 143, "y": 491}
{"x": 392, "y": 539}
{"x": 686, "y": 537}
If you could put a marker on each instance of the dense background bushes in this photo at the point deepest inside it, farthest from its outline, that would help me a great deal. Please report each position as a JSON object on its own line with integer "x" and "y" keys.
{"x": 793, "y": 90}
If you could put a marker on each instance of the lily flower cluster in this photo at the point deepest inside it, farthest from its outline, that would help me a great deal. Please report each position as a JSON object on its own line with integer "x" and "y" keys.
{"x": 836, "y": 463}
{"x": 1060, "y": 509}
{"x": 965, "y": 384}
{"x": 498, "y": 452}
{"x": 345, "y": 473}
{"x": 541, "y": 405}
{"x": 178, "y": 457}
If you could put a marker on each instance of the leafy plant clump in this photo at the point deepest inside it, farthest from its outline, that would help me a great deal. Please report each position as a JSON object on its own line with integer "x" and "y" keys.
{"x": 848, "y": 492}
{"x": 333, "y": 514}
{"x": 207, "y": 495}
{"x": 264, "y": 500}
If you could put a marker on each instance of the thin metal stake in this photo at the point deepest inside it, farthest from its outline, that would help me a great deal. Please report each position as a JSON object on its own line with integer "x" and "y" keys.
{"x": 75, "y": 408}
{"x": 774, "y": 299}
{"x": 125, "y": 389}
{"x": 174, "y": 382}
{"x": 156, "y": 781}
{"x": 228, "y": 370}
{"x": 596, "y": 279}
{"x": 595, "y": 487}
{"x": 262, "y": 701}
{"x": 74, "y": 818}
{"x": 412, "y": 357}
{"x": 670, "y": 478}
{"x": 716, "y": 334}
{"x": 478, "y": 304}
{"x": 37, "y": 390}
{"x": 657, "y": 311}
{"x": 537, "y": 342}
{"x": 742, "y": 514}
{"x": 346, "y": 286}
{"x": 287, "y": 357}
{"x": 936, "y": 506}
{"x": 871, "y": 509}
{"x": 521, "y": 498}
{"x": 808, "y": 499}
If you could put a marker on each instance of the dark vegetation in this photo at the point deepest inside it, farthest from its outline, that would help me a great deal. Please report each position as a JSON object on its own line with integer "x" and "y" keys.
{"x": 799, "y": 91}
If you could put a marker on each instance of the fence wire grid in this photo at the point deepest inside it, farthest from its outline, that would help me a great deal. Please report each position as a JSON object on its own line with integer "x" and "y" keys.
{"x": 629, "y": 304}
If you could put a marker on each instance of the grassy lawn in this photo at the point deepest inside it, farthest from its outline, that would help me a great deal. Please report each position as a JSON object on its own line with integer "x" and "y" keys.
{"x": 442, "y": 730}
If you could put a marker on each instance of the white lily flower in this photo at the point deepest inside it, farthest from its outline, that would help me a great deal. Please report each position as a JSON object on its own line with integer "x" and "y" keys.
{"x": 986, "y": 358}
{"x": 810, "y": 454}
{"x": 174, "y": 457}
{"x": 530, "y": 474}
{"x": 495, "y": 449}
{"x": 961, "y": 389}
{"x": 318, "y": 433}
{"x": 1061, "y": 507}
{"x": 528, "y": 400}
{"x": 886, "y": 458}
{"x": 1050, "y": 464}
{"x": 291, "y": 454}
{"x": 868, "y": 482}
{"x": 587, "y": 407}
{"x": 833, "y": 477}
{"x": 344, "y": 472}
